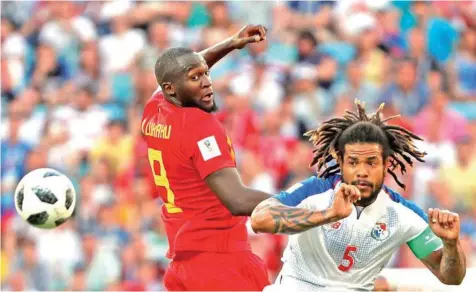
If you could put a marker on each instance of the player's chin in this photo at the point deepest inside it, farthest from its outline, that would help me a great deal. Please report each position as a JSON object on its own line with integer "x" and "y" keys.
{"x": 365, "y": 191}
{"x": 208, "y": 105}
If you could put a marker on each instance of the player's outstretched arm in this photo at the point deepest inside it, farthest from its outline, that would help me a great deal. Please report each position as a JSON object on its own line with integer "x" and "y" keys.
{"x": 271, "y": 216}
{"x": 448, "y": 263}
{"x": 248, "y": 34}
{"x": 238, "y": 199}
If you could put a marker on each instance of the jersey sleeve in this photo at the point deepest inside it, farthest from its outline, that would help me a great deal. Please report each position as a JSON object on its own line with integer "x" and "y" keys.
{"x": 418, "y": 235}
{"x": 308, "y": 187}
{"x": 207, "y": 144}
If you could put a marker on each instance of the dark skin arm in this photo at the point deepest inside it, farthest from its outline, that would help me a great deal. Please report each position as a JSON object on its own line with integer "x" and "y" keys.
{"x": 449, "y": 263}
{"x": 271, "y": 216}
{"x": 226, "y": 183}
{"x": 237, "y": 198}
{"x": 248, "y": 34}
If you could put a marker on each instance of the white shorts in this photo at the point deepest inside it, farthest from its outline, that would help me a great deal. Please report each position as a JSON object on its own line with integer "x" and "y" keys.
{"x": 291, "y": 284}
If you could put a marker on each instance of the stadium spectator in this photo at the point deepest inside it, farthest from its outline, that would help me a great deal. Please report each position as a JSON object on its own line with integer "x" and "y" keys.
{"x": 437, "y": 115}
{"x": 463, "y": 67}
{"x": 406, "y": 93}
{"x": 357, "y": 87}
{"x": 36, "y": 273}
{"x": 116, "y": 147}
{"x": 13, "y": 58}
{"x": 458, "y": 179}
{"x": 72, "y": 70}
{"x": 14, "y": 152}
{"x": 418, "y": 51}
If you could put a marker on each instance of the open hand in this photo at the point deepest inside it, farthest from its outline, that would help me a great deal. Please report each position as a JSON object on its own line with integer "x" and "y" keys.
{"x": 249, "y": 34}
{"x": 444, "y": 224}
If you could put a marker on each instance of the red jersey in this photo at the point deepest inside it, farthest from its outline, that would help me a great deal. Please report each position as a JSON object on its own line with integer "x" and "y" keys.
{"x": 185, "y": 145}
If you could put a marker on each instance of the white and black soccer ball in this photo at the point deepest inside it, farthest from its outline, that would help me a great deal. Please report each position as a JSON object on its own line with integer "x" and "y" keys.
{"x": 45, "y": 198}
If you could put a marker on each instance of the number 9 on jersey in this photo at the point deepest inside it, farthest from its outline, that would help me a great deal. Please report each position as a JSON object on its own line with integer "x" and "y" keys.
{"x": 161, "y": 180}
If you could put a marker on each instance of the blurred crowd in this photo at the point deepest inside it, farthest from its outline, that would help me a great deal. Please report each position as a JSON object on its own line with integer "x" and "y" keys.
{"x": 76, "y": 76}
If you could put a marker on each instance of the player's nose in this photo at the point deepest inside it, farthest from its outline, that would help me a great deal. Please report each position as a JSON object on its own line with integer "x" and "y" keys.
{"x": 206, "y": 81}
{"x": 362, "y": 173}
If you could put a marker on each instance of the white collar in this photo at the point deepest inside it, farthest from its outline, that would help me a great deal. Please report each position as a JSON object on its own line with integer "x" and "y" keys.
{"x": 159, "y": 89}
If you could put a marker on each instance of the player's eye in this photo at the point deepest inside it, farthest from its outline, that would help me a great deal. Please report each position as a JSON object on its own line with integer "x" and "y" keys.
{"x": 207, "y": 73}
{"x": 372, "y": 163}
{"x": 195, "y": 77}
{"x": 353, "y": 163}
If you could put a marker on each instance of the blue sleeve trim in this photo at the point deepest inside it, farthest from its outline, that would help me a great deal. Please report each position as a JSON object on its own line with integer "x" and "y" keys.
{"x": 308, "y": 187}
{"x": 396, "y": 197}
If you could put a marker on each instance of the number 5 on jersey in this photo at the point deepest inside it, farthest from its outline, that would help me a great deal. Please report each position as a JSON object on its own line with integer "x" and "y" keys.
{"x": 348, "y": 260}
{"x": 161, "y": 180}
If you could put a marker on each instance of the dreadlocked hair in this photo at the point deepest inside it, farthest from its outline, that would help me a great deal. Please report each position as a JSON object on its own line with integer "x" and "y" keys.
{"x": 332, "y": 135}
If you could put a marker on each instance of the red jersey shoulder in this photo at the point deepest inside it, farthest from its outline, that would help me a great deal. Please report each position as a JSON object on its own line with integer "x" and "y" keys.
{"x": 200, "y": 125}
{"x": 153, "y": 103}
{"x": 198, "y": 120}
{"x": 207, "y": 142}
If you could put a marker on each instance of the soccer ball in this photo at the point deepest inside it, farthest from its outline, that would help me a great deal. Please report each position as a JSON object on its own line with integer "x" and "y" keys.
{"x": 45, "y": 198}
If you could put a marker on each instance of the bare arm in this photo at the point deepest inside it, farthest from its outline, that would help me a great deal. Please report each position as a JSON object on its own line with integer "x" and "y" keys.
{"x": 447, "y": 264}
{"x": 215, "y": 53}
{"x": 248, "y": 34}
{"x": 227, "y": 185}
{"x": 271, "y": 216}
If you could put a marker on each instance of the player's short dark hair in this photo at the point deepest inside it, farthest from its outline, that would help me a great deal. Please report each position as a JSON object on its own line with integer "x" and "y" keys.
{"x": 167, "y": 67}
{"x": 87, "y": 88}
{"x": 357, "y": 127}
{"x": 407, "y": 60}
{"x": 308, "y": 35}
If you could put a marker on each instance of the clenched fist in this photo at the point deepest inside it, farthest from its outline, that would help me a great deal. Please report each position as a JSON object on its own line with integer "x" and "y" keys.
{"x": 444, "y": 224}
{"x": 249, "y": 34}
{"x": 344, "y": 198}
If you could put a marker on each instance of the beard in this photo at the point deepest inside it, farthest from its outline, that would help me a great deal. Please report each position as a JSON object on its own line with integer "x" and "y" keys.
{"x": 192, "y": 103}
{"x": 376, "y": 188}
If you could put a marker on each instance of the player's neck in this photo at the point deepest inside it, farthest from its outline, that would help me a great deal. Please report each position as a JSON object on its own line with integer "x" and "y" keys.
{"x": 173, "y": 100}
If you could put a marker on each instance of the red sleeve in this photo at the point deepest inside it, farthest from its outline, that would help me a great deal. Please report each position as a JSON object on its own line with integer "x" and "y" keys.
{"x": 207, "y": 143}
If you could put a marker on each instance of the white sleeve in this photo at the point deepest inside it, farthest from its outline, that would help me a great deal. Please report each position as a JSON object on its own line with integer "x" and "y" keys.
{"x": 417, "y": 233}
{"x": 85, "y": 29}
{"x": 414, "y": 225}
{"x": 318, "y": 202}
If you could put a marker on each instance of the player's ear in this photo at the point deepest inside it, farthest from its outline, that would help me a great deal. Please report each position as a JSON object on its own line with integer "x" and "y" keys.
{"x": 168, "y": 88}
{"x": 386, "y": 164}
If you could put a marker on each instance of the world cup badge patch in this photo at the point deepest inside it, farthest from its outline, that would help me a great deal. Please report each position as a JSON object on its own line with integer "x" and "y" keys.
{"x": 380, "y": 231}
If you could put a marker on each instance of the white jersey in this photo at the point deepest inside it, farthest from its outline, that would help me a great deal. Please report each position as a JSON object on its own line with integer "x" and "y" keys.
{"x": 350, "y": 253}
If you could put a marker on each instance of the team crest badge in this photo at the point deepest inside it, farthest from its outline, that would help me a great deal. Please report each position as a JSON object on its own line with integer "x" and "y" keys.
{"x": 336, "y": 225}
{"x": 380, "y": 231}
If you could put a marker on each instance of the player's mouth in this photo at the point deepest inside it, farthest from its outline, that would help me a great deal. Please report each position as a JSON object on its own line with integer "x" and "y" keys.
{"x": 363, "y": 184}
{"x": 207, "y": 98}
